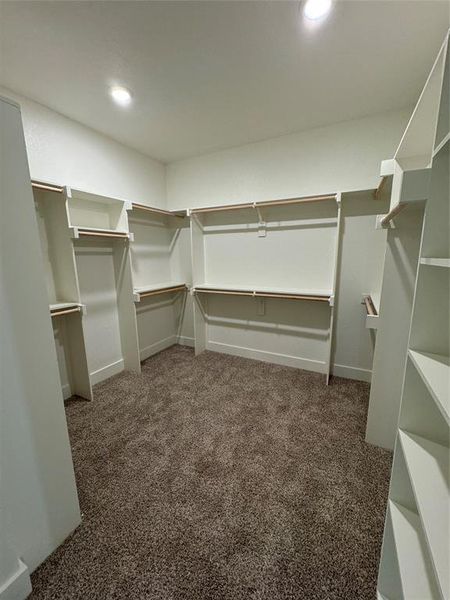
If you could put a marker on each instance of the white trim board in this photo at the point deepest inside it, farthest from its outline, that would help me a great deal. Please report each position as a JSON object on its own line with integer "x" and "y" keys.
{"x": 18, "y": 586}
{"x": 286, "y": 360}
{"x": 351, "y": 373}
{"x": 156, "y": 347}
{"x": 107, "y": 371}
{"x": 184, "y": 340}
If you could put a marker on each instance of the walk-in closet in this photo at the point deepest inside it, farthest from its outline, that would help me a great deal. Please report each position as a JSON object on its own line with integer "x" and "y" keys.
{"x": 225, "y": 300}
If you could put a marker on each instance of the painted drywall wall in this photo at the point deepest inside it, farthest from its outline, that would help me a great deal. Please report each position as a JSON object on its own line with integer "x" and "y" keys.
{"x": 65, "y": 152}
{"x": 341, "y": 157}
{"x": 39, "y": 504}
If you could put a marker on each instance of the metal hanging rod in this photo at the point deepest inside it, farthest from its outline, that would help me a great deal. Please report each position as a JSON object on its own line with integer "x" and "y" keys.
{"x": 287, "y": 201}
{"x": 159, "y": 211}
{"x": 257, "y": 294}
{"x": 66, "y": 311}
{"x": 39, "y": 185}
{"x": 392, "y": 213}
{"x": 165, "y": 290}
{"x": 370, "y": 308}
{"x": 100, "y": 233}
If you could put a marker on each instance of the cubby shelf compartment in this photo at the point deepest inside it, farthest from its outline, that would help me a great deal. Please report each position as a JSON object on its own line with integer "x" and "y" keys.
{"x": 416, "y": 573}
{"x": 434, "y": 370}
{"x": 311, "y": 295}
{"x": 156, "y": 289}
{"x": 90, "y": 213}
{"x": 428, "y": 467}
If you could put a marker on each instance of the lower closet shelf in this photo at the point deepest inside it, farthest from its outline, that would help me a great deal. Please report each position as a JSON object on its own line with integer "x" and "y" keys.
{"x": 158, "y": 288}
{"x": 428, "y": 467}
{"x": 413, "y": 563}
{"x": 64, "y": 308}
{"x": 263, "y": 292}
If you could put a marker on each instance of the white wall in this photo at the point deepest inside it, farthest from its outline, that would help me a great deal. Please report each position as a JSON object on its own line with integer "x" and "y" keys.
{"x": 65, "y": 152}
{"x": 38, "y": 498}
{"x": 345, "y": 156}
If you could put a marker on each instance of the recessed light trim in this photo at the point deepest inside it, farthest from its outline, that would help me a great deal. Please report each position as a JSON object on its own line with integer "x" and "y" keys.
{"x": 121, "y": 95}
{"x": 317, "y": 9}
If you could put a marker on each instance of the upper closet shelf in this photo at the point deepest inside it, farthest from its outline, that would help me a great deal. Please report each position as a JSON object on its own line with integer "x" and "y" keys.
{"x": 64, "y": 308}
{"x": 48, "y": 187}
{"x": 159, "y": 211}
{"x": 158, "y": 288}
{"x": 264, "y": 204}
{"x": 78, "y": 232}
{"x": 436, "y": 262}
{"x": 91, "y": 214}
{"x": 290, "y": 294}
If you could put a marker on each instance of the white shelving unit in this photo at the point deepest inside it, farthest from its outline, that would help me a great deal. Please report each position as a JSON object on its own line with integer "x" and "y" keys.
{"x": 234, "y": 261}
{"x": 159, "y": 289}
{"x": 421, "y": 469}
{"x": 65, "y": 305}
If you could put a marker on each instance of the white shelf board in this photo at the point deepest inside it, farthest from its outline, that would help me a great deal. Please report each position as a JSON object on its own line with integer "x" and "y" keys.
{"x": 100, "y": 230}
{"x": 428, "y": 467}
{"x": 436, "y": 262}
{"x": 64, "y": 305}
{"x": 434, "y": 370}
{"x": 268, "y": 290}
{"x": 440, "y": 146}
{"x": 155, "y": 287}
{"x": 415, "y": 571}
{"x": 152, "y": 287}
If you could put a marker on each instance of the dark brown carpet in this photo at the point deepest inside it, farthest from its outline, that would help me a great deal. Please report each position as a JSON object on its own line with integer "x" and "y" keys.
{"x": 219, "y": 477}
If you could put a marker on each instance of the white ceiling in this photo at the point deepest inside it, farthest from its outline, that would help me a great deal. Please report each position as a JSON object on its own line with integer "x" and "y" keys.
{"x": 212, "y": 74}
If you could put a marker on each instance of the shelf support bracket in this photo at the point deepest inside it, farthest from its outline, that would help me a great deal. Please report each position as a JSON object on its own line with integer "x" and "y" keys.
{"x": 262, "y": 231}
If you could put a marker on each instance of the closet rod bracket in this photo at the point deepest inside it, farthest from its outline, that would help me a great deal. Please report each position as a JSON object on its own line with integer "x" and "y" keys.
{"x": 262, "y": 231}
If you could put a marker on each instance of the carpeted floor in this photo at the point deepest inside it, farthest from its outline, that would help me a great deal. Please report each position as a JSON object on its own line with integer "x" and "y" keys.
{"x": 219, "y": 477}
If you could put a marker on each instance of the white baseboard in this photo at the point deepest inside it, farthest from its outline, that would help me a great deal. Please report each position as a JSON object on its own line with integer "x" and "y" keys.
{"x": 186, "y": 341}
{"x": 66, "y": 391}
{"x": 18, "y": 585}
{"x": 157, "y": 347}
{"x": 352, "y": 373}
{"x": 279, "y": 359}
{"x": 106, "y": 372}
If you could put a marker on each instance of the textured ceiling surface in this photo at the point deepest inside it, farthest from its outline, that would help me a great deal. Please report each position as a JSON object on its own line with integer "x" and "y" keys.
{"x": 211, "y": 75}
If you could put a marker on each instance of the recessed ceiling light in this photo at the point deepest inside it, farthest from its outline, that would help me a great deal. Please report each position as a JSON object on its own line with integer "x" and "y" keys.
{"x": 316, "y": 9}
{"x": 120, "y": 95}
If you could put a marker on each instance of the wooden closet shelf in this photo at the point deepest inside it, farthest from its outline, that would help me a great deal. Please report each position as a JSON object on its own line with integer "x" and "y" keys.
{"x": 266, "y": 203}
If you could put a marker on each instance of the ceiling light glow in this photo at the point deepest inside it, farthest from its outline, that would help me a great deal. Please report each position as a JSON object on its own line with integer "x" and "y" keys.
{"x": 120, "y": 95}
{"x": 316, "y": 9}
